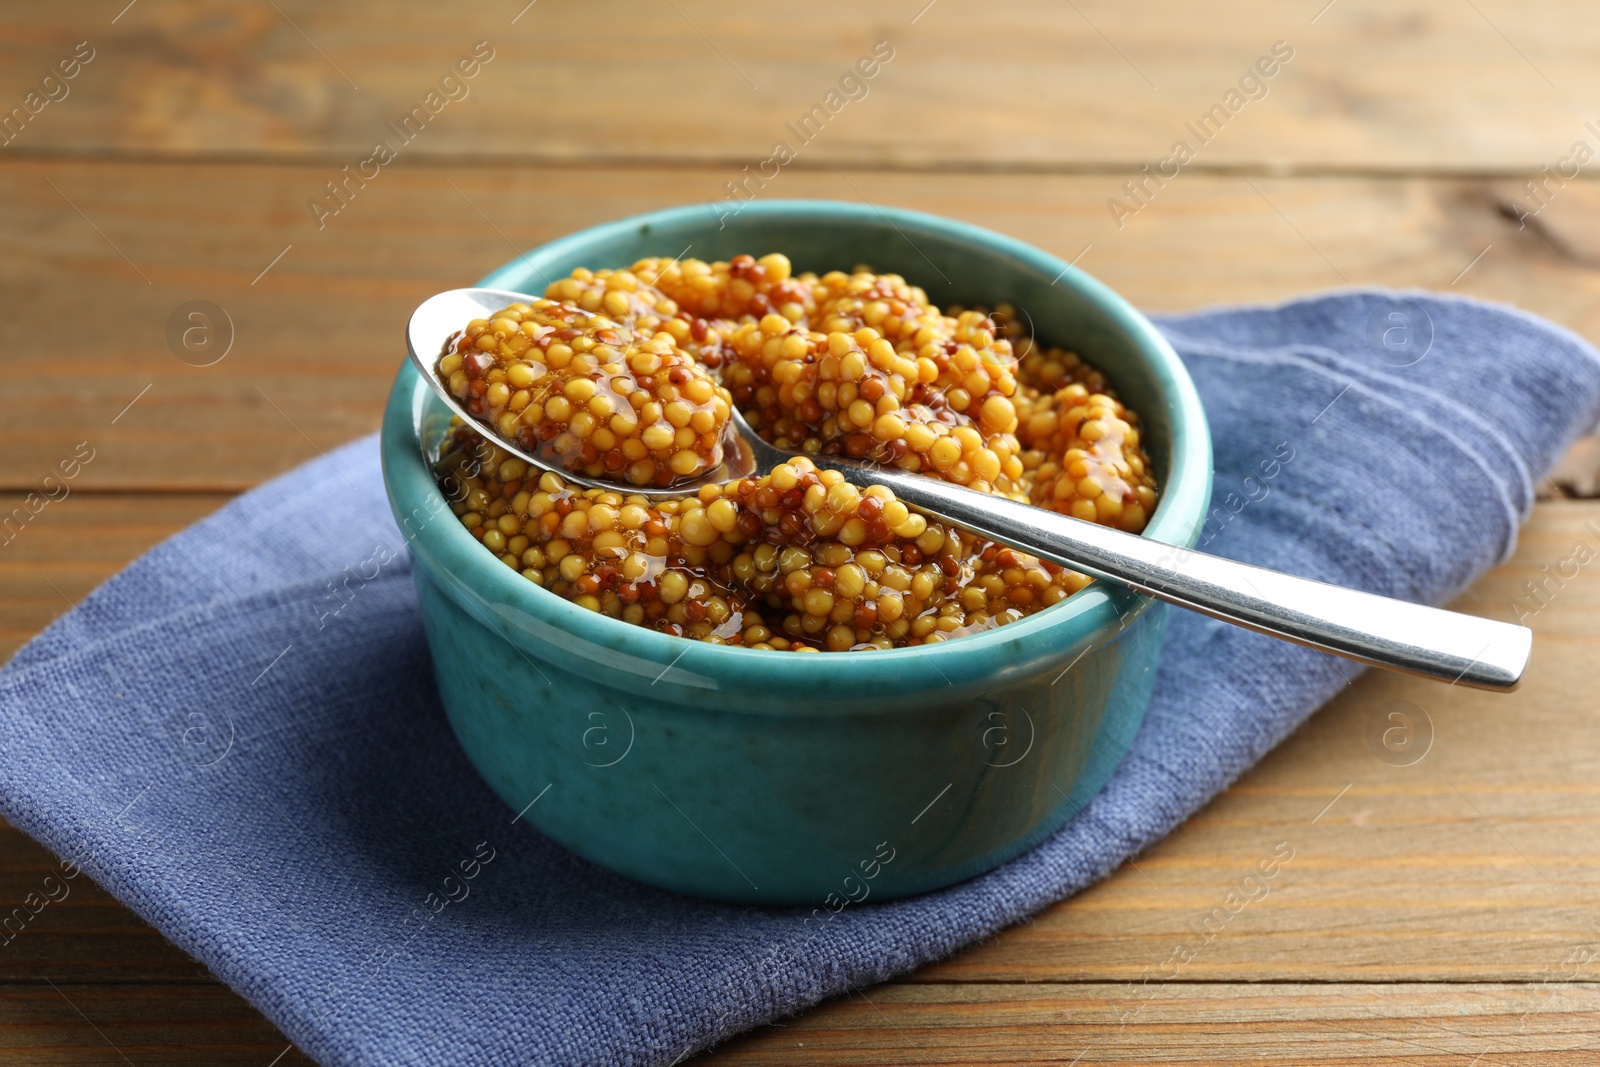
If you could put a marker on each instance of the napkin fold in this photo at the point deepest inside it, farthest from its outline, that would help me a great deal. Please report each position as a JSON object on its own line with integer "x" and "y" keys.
{"x": 239, "y": 735}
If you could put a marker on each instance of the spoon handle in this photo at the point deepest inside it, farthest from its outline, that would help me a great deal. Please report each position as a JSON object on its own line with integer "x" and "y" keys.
{"x": 1378, "y": 630}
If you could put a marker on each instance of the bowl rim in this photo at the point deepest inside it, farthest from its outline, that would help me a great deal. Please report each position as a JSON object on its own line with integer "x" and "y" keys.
{"x": 1051, "y": 634}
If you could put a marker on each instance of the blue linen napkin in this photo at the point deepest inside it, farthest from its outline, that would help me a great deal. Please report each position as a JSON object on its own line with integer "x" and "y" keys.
{"x": 239, "y": 735}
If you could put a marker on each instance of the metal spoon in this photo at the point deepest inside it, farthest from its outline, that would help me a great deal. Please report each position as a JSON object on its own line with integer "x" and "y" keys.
{"x": 1394, "y": 634}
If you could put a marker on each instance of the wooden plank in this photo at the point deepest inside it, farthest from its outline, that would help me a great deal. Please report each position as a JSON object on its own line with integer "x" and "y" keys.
{"x": 1198, "y": 1024}
{"x": 1443, "y": 880}
{"x": 1478, "y": 861}
{"x": 316, "y": 337}
{"x": 53, "y": 1023}
{"x": 1434, "y": 871}
{"x": 1222, "y": 1024}
{"x": 72, "y": 545}
{"x": 1423, "y": 84}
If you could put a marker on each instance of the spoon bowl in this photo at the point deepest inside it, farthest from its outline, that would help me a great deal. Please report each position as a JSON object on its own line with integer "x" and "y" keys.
{"x": 437, "y": 324}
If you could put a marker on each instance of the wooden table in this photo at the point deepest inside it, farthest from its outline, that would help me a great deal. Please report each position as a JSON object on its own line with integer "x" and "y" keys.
{"x": 1442, "y": 912}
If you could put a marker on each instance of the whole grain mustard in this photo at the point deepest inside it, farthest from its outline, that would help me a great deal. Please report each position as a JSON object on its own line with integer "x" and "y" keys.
{"x": 630, "y": 375}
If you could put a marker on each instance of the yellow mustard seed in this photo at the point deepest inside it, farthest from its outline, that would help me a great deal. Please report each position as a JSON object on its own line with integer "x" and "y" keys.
{"x": 630, "y": 375}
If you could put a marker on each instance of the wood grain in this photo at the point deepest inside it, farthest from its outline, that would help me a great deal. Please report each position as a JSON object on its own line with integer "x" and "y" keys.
{"x": 1440, "y": 912}
{"x": 1474, "y": 863}
{"x": 315, "y": 346}
{"x": 1222, "y": 1025}
{"x": 1459, "y": 875}
{"x": 74, "y": 544}
{"x": 67, "y": 1025}
{"x": 1419, "y": 85}
{"x": 1100, "y": 1023}
{"x": 1200, "y": 1024}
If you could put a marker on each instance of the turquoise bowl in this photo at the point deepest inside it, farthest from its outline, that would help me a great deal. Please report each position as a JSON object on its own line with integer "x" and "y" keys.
{"x": 764, "y": 778}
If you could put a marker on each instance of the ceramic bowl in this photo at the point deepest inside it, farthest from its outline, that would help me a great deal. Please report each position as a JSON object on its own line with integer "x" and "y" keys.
{"x": 780, "y": 779}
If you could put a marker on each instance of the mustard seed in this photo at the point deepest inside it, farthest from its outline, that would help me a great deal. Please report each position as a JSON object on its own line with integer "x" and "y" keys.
{"x": 631, "y": 374}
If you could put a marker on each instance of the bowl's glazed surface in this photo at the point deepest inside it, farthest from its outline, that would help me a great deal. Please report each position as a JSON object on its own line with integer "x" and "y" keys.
{"x": 775, "y": 778}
